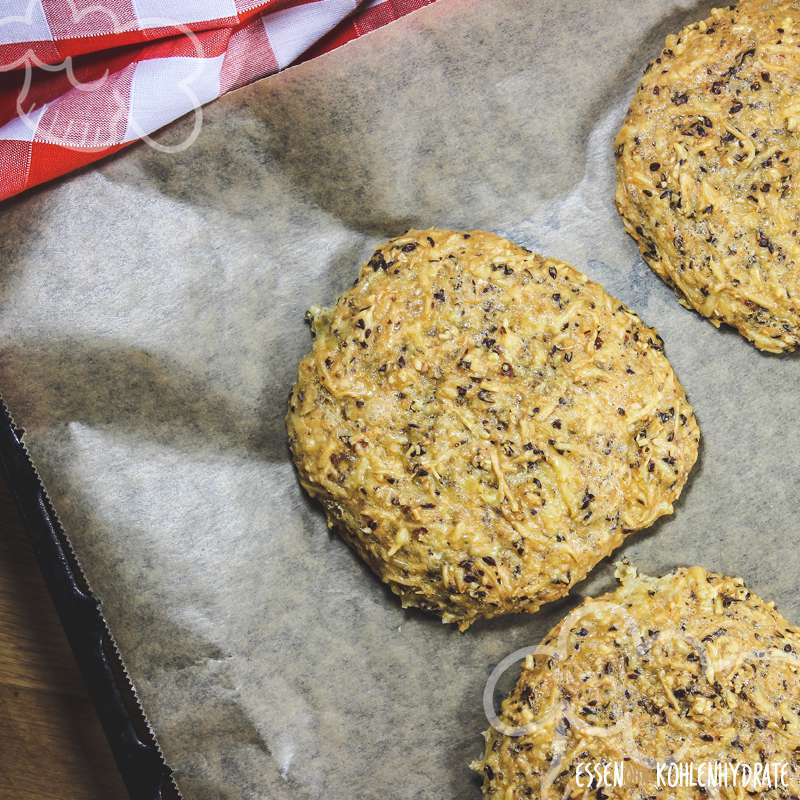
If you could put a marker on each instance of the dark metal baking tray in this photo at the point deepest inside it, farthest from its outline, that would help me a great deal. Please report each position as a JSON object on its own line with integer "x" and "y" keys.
{"x": 131, "y": 737}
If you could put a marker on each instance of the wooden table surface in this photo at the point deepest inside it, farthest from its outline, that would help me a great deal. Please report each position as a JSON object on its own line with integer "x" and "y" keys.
{"x": 51, "y": 744}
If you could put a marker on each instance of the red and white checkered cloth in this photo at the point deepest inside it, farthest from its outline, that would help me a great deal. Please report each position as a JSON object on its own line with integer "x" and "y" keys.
{"x": 80, "y": 79}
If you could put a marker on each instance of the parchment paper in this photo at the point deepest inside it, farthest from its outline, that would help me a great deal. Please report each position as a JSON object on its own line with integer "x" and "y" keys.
{"x": 151, "y": 321}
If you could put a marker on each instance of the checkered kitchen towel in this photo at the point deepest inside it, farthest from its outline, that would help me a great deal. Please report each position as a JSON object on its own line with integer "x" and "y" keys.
{"x": 80, "y": 79}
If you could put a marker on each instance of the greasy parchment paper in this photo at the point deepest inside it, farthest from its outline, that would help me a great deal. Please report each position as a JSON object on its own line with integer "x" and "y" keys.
{"x": 151, "y": 320}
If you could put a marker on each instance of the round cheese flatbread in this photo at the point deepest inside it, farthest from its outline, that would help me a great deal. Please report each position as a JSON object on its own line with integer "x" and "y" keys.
{"x": 483, "y": 425}
{"x": 706, "y": 166}
{"x": 690, "y": 669}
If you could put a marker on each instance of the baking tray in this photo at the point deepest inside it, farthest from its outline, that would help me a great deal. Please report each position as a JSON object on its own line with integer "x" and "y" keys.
{"x": 153, "y": 319}
{"x": 130, "y": 736}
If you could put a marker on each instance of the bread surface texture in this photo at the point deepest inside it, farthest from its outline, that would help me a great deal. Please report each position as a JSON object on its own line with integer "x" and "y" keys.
{"x": 483, "y": 425}
{"x": 691, "y": 667}
{"x": 707, "y": 160}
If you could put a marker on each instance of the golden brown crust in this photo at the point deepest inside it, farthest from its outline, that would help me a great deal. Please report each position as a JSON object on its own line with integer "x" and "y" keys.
{"x": 690, "y": 665}
{"x": 481, "y": 424}
{"x": 706, "y": 168}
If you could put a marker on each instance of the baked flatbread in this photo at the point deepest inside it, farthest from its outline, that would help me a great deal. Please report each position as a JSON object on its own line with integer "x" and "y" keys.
{"x": 706, "y": 165}
{"x": 691, "y": 667}
{"x": 483, "y": 425}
